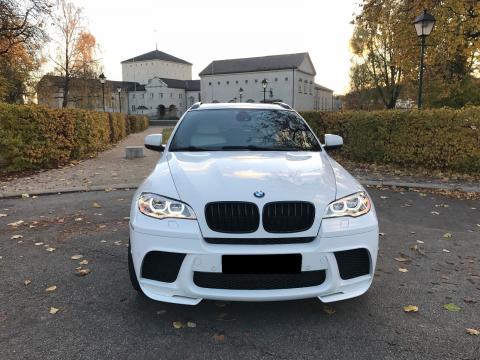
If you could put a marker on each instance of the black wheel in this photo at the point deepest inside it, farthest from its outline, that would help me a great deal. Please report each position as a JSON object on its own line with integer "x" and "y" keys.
{"x": 131, "y": 271}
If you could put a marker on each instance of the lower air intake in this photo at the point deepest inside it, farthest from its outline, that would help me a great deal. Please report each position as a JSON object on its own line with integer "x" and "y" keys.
{"x": 162, "y": 266}
{"x": 353, "y": 263}
{"x": 258, "y": 281}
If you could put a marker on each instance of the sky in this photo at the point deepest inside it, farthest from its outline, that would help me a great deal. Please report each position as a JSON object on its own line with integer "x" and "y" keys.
{"x": 200, "y": 31}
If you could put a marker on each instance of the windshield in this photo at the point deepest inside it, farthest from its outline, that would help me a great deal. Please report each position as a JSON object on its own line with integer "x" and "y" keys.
{"x": 240, "y": 129}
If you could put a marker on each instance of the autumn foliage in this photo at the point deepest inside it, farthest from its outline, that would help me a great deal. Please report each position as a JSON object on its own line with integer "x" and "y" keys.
{"x": 35, "y": 137}
{"x": 438, "y": 139}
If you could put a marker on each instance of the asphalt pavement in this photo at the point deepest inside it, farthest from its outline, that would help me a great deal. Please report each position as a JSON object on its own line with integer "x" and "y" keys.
{"x": 435, "y": 239}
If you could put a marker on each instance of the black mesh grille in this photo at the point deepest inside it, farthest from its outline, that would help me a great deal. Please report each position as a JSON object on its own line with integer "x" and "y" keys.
{"x": 162, "y": 266}
{"x": 258, "y": 281}
{"x": 353, "y": 263}
{"x": 232, "y": 217}
{"x": 288, "y": 216}
{"x": 260, "y": 241}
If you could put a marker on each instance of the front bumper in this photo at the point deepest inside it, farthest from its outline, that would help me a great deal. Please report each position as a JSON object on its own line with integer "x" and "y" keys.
{"x": 184, "y": 236}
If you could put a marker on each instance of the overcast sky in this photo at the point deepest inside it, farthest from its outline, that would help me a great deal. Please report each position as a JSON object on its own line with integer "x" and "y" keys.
{"x": 200, "y": 31}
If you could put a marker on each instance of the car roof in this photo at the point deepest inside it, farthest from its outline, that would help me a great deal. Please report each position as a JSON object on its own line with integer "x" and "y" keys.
{"x": 217, "y": 106}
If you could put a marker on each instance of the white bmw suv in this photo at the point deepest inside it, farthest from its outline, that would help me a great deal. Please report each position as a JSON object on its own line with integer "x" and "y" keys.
{"x": 245, "y": 204}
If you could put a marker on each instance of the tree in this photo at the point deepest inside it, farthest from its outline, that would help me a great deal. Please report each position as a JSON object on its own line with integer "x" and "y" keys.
{"x": 22, "y": 23}
{"x": 76, "y": 47}
{"x": 385, "y": 45}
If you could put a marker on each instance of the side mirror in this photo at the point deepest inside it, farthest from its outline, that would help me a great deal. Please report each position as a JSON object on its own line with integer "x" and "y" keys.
{"x": 333, "y": 142}
{"x": 154, "y": 142}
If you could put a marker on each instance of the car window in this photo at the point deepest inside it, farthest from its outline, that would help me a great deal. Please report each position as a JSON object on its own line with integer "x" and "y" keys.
{"x": 240, "y": 129}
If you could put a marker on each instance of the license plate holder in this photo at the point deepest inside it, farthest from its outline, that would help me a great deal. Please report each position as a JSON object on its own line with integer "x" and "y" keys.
{"x": 262, "y": 264}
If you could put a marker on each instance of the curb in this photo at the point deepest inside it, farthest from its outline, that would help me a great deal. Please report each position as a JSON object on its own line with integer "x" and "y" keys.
{"x": 400, "y": 184}
{"x": 71, "y": 190}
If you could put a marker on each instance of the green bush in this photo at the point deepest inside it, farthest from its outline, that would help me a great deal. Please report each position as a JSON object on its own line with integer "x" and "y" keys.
{"x": 35, "y": 137}
{"x": 440, "y": 139}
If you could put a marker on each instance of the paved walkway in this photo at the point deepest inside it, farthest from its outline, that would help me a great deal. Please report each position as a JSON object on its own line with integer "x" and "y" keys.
{"x": 110, "y": 170}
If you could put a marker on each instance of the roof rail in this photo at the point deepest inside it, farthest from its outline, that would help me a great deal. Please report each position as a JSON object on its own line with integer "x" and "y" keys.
{"x": 282, "y": 104}
{"x": 195, "y": 106}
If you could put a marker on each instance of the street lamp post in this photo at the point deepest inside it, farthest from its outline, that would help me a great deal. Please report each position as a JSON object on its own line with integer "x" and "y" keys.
{"x": 424, "y": 24}
{"x": 240, "y": 93}
{"x": 102, "y": 81}
{"x": 264, "y": 86}
{"x": 119, "y": 90}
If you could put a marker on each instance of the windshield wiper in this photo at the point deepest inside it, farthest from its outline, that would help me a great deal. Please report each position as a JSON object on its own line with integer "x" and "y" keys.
{"x": 258, "y": 148}
{"x": 193, "y": 148}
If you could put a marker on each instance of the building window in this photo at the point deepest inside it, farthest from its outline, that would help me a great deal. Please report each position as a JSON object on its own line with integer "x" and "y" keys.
{"x": 286, "y": 79}
{"x": 133, "y": 96}
{"x": 143, "y": 96}
{"x": 161, "y": 95}
{"x": 300, "y": 85}
{"x": 305, "y": 87}
{"x": 236, "y": 81}
{"x": 151, "y": 95}
{"x": 276, "y": 79}
{"x": 180, "y": 96}
{"x": 228, "y": 82}
{"x": 133, "y": 107}
{"x": 246, "y": 81}
{"x": 171, "y": 95}
{"x": 210, "y": 84}
{"x": 218, "y": 83}
{"x": 256, "y": 81}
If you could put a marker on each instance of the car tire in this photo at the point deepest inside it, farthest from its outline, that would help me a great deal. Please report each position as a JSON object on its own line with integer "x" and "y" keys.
{"x": 131, "y": 271}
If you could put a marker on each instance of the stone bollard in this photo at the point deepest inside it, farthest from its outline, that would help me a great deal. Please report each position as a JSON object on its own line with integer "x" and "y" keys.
{"x": 133, "y": 152}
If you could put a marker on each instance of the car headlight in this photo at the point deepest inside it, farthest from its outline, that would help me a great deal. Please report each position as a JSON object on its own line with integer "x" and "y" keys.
{"x": 161, "y": 207}
{"x": 353, "y": 205}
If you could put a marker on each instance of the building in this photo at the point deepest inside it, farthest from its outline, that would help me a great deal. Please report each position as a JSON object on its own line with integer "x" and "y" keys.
{"x": 290, "y": 79}
{"x": 160, "y": 85}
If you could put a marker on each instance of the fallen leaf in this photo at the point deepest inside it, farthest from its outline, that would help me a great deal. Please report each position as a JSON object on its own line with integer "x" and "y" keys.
{"x": 76, "y": 257}
{"x": 38, "y": 243}
{"x": 83, "y": 272}
{"x": 27, "y": 282}
{"x": 434, "y": 213}
{"x": 83, "y": 262}
{"x": 410, "y": 308}
{"x": 472, "y": 331}
{"x": 53, "y": 310}
{"x": 161, "y": 312}
{"x": 16, "y": 223}
{"x": 3, "y": 215}
{"x": 51, "y": 288}
{"x": 191, "y": 324}
{"x": 328, "y": 309}
{"x": 50, "y": 249}
{"x": 451, "y": 307}
{"x": 383, "y": 197}
{"x": 96, "y": 205}
{"x": 420, "y": 242}
{"x": 447, "y": 235}
{"x": 381, "y": 234}
{"x": 25, "y": 196}
{"x": 15, "y": 237}
{"x": 403, "y": 270}
{"x": 469, "y": 300}
{"x": 401, "y": 259}
{"x": 178, "y": 324}
{"x": 219, "y": 337}
{"x": 103, "y": 241}
{"x": 118, "y": 242}
{"x": 78, "y": 219}
{"x": 445, "y": 250}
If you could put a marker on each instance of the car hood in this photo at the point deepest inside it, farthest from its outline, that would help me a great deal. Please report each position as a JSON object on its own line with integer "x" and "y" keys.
{"x": 203, "y": 177}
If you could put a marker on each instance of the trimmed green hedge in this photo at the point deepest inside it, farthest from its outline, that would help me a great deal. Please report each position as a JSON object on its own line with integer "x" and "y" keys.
{"x": 439, "y": 139}
{"x": 35, "y": 137}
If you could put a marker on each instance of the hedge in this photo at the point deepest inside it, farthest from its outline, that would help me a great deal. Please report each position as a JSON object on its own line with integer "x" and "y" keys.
{"x": 34, "y": 137}
{"x": 439, "y": 139}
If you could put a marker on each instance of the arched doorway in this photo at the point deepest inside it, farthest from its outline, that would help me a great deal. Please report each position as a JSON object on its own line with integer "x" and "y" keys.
{"x": 161, "y": 111}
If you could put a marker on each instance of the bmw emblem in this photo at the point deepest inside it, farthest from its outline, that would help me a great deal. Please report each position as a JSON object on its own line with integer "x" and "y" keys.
{"x": 259, "y": 194}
